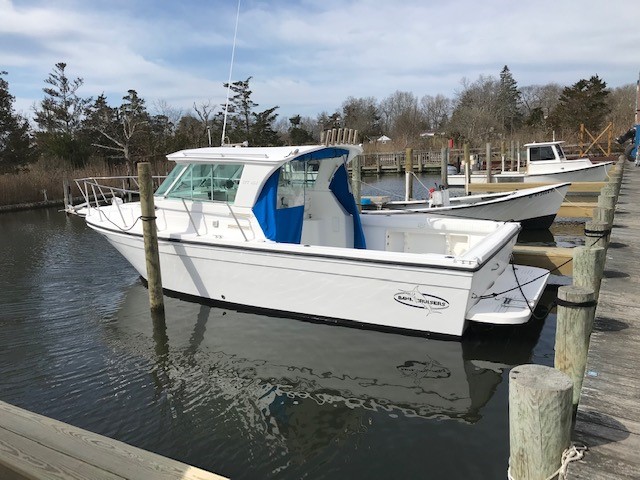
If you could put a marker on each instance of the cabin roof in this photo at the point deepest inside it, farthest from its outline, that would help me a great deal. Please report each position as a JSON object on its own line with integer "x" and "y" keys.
{"x": 253, "y": 155}
{"x": 542, "y": 144}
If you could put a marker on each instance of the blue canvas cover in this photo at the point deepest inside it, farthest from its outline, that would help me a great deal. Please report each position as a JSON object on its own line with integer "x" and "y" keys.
{"x": 340, "y": 187}
{"x": 282, "y": 225}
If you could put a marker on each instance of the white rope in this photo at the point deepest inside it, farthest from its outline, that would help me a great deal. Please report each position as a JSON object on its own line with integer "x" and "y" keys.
{"x": 571, "y": 454}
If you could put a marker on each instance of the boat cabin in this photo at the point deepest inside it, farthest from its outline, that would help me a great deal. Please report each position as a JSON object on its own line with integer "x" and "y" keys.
{"x": 296, "y": 194}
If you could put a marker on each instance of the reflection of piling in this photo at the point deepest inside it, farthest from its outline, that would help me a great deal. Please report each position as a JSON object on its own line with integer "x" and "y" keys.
{"x": 152, "y": 256}
{"x": 539, "y": 420}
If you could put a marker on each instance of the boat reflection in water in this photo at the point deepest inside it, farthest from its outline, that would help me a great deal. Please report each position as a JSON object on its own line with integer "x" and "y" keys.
{"x": 278, "y": 376}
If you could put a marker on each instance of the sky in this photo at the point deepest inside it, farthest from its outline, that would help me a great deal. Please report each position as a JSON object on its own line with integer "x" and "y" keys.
{"x": 309, "y": 56}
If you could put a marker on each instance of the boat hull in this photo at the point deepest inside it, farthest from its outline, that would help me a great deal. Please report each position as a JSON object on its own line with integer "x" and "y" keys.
{"x": 534, "y": 208}
{"x": 374, "y": 294}
{"x": 592, "y": 173}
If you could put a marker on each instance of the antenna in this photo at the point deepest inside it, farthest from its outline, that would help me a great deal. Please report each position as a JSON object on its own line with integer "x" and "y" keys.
{"x": 233, "y": 53}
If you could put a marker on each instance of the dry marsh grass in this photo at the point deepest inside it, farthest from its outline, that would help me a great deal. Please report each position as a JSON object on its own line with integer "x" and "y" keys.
{"x": 30, "y": 186}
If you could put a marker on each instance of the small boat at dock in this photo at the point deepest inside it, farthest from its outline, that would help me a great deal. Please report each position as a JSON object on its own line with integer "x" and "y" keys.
{"x": 546, "y": 163}
{"x": 277, "y": 229}
{"x": 533, "y": 208}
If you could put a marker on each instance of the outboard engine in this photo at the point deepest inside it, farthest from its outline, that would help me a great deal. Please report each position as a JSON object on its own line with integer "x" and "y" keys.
{"x": 631, "y": 150}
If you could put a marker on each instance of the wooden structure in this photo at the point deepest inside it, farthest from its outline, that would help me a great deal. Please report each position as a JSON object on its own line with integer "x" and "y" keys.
{"x": 608, "y": 418}
{"x": 33, "y": 447}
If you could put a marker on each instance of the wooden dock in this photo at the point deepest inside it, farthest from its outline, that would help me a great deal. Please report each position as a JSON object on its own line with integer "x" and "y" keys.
{"x": 33, "y": 447}
{"x": 608, "y": 418}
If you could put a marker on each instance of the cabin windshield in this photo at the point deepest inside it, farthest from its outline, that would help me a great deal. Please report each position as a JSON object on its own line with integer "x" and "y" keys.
{"x": 204, "y": 182}
{"x": 538, "y": 154}
{"x": 560, "y": 151}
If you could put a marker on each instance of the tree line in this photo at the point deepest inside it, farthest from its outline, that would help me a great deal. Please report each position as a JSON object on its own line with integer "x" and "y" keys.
{"x": 75, "y": 130}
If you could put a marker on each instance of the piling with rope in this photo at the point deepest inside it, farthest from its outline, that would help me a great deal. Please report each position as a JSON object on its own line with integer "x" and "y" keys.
{"x": 540, "y": 415}
{"x": 151, "y": 253}
{"x": 597, "y": 233}
{"x": 576, "y": 312}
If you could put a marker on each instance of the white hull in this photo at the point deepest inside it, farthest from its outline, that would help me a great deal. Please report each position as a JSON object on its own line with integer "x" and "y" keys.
{"x": 589, "y": 173}
{"x": 533, "y": 207}
{"x": 392, "y": 290}
{"x": 277, "y": 229}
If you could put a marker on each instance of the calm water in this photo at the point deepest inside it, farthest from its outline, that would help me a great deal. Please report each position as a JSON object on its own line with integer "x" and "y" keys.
{"x": 244, "y": 395}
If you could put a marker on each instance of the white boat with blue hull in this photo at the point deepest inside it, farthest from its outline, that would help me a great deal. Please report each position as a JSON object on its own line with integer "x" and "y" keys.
{"x": 277, "y": 229}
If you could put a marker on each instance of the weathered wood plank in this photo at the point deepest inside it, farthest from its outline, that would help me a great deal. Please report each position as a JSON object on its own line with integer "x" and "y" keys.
{"x": 26, "y": 459}
{"x": 557, "y": 259}
{"x": 576, "y": 187}
{"x": 576, "y": 209}
{"x": 67, "y": 444}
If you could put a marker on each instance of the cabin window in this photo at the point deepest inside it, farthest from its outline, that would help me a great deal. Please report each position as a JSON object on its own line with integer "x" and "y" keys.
{"x": 541, "y": 153}
{"x": 207, "y": 182}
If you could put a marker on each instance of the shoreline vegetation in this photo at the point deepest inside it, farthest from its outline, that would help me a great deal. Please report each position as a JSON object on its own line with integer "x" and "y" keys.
{"x": 42, "y": 184}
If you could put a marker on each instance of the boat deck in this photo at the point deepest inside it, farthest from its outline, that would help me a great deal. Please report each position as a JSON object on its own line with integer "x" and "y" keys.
{"x": 608, "y": 419}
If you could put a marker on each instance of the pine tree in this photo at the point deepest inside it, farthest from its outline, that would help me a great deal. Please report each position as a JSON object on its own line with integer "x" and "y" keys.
{"x": 509, "y": 101}
{"x": 60, "y": 117}
{"x": 584, "y": 102}
{"x": 16, "y": 149}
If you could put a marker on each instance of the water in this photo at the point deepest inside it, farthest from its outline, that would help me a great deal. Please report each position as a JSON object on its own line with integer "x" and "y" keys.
{"x": 244, "y": 395}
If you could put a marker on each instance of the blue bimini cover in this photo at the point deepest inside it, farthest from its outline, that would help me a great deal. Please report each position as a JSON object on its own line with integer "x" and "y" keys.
{"x": 340, "y": 187}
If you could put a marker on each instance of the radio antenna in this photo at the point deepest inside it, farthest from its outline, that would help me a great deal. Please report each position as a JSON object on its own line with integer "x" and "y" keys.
{"x": 233, "y": 53}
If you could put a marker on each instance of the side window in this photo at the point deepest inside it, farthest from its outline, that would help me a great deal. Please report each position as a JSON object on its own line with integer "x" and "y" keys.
{"x": 542, "y": 153}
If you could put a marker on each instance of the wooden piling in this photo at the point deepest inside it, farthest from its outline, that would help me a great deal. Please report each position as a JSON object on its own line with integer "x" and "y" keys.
{"x": 444, "y": 163}
{"x": 604, "y": 215}
{"x": 467, "y": 168}
{"x": 576, "y": 311}
{"x": 539, "y": 420}
{"x": 356, "y": 180}
{"x": 588, "y": 267}
{"x": 597, "y": 234}
{"x": 152, "y": 256}
{"x": 488, "y": 162}
{"x": 408, "y": 174}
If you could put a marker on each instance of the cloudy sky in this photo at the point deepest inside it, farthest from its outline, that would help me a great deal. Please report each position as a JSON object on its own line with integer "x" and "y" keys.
{"x": 308, "y": 56}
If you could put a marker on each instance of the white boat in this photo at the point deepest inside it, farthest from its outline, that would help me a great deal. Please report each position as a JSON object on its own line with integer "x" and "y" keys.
{"x": 277, "y": 229}
{"x": 534, "y": 208}
{"x": 547, "y": 163}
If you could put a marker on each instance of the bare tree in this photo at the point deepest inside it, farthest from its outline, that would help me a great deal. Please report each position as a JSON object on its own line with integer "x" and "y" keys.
{"x": 401, "y": 117}
{"x": 436, "y": 111}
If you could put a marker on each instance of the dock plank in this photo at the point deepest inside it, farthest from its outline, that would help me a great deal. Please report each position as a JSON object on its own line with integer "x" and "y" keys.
{"x": 608, "y": 418}
{"x": 38, "y": 445}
